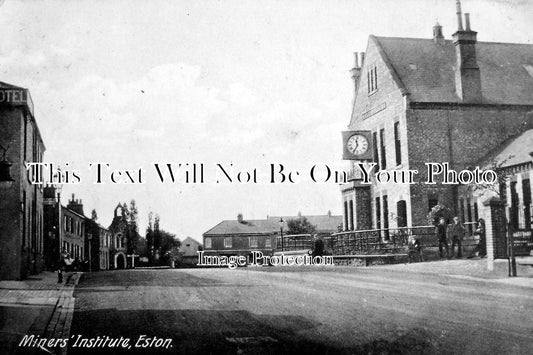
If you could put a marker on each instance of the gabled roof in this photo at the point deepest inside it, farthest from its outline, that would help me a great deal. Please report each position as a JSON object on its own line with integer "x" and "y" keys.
{"x": 426, "y": 69}
{"x": 4, "y": 85}
{"x": 190, "y": 240}
{"x": 191, "y": 249}
{"x": 514, "y": 151}
{"x": 257, "y": 226}
{"x": 322, "y": 223}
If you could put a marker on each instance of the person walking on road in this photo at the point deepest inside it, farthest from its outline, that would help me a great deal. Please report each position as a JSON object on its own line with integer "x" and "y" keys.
{"x": 457, "y": 231}
{"x": 440, "y": 233}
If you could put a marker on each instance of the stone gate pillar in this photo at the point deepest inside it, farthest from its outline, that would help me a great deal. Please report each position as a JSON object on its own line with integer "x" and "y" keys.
{"x": 496, "y": 231}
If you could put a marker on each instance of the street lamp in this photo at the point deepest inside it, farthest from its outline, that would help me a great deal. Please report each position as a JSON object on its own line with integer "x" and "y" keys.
{"x": 57, "y": 187}
{"x": 90, "y": 238}
{"x": 281, "y": 231}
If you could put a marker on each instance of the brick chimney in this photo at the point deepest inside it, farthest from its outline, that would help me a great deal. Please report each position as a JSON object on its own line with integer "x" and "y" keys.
{"x": 75, "y": 205}
{"x": 356, "y": 70}
{"x": 467, "y": 76}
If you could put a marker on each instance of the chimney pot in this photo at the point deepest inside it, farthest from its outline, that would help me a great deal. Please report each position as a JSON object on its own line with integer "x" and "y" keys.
{"x": 459, "y": 16}
{"x": 362, "y": 58}
{"x": 356, "y": 57}
{"x": 467, "y": 21}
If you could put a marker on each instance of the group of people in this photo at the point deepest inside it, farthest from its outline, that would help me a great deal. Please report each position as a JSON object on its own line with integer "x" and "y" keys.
{"x": 456, "y": 231}
{"x": 67, "y": 263}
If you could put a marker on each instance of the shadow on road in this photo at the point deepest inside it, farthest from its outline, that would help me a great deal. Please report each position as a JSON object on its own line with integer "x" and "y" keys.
{"x": 221, "y": 332}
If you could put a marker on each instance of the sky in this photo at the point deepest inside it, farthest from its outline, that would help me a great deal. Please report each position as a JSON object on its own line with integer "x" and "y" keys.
{"x": 248, "y": 83}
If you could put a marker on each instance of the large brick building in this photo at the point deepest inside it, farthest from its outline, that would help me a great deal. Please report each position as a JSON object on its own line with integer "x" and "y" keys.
{"x": 21, "y": 202}
{"x": 240, "y": 236}
{"x": 433, "y": 100}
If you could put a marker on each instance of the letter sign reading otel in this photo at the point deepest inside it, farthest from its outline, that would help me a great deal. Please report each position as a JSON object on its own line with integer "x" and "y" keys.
{"x": 13, "y": 96}
{"x": 357, "y": 145}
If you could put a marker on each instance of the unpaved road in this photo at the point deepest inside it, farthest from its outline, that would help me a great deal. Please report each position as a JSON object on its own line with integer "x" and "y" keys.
{"x": 266, "y": 311}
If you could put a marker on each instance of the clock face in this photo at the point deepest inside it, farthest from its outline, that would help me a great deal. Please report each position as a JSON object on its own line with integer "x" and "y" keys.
{"x": 357, "y": 144}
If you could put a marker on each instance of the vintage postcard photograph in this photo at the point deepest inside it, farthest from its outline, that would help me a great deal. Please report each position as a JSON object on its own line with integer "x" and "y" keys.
{"x": 266, "y": 177}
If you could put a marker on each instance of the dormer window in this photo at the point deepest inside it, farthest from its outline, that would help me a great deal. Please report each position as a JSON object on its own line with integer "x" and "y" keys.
{"x": 372, "y": 79}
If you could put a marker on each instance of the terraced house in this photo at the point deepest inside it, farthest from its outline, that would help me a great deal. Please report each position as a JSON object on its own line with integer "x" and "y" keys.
{"x": 21, "y": 202}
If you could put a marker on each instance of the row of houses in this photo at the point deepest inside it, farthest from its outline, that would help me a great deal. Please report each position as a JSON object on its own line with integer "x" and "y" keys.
{"x": 67, "y": 231}
{"x": 35, "y": 228}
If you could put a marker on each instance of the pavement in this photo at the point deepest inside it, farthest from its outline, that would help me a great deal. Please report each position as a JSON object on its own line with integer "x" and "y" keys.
{"x": 475, "y": 268}
{"x": 38, "y": 306}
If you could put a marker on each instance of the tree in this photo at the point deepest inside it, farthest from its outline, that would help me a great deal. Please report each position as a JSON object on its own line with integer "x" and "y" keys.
{"x": 438, "y": 212}
{"x": 150, "y": 237}
{"x": 300, "y": 226}
{"x": 132, "y": 231}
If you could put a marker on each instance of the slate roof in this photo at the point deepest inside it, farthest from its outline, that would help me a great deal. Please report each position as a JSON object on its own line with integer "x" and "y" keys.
{"x": 4, "y": 85}
{"x": 426, "y": 69}
{"x": 514, "y": 151}
{"x": 322, "y": 223}
{"x": 257, "y": 226}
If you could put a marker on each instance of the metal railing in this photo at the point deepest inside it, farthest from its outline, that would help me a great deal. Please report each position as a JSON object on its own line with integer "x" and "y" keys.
{"x": 375, "y": 241}
{"x": 295, "y": 242}
{"x": 379, "y": 241}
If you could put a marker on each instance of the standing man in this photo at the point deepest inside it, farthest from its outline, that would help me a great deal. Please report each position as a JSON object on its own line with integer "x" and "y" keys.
{"x": 457, "y": 232}
{"x": 440, "y": 233}
{"x": 482, "y": 246}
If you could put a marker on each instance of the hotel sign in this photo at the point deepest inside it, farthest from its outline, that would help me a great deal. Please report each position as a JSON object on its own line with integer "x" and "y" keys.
{"x": 16, "y": 97}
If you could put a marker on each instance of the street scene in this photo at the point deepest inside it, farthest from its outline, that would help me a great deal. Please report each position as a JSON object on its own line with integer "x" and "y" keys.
{"x": 266, "y": 177}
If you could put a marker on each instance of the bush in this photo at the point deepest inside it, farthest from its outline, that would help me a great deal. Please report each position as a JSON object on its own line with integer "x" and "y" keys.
{"x": 438, "y": 212}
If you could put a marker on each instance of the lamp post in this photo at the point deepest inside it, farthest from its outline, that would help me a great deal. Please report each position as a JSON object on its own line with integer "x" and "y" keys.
{"x": 57, "y": 186}
{"x": 281, "y": 232}
{"x": 90, "y": 238}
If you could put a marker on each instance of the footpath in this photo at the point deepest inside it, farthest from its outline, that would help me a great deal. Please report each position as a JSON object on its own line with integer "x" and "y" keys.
{"x": 38, "y": 306}
{"x": 474, "y": 269}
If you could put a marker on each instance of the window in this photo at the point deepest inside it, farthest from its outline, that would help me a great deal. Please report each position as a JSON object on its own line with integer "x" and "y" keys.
{"x": 253, "y": 242}
{"x": 268, "y": 242}
{"x": 351, "y": 215}
{"x": 382, "y": 148}
{"x": 378, "y": 213}
{"x": 397, "y": 143}
{"x": 372, "y": 79}
{"x": 462, "y": 209}
{"x": 208, "y": 243}
{"x": 432, "y": 202}
{"x": 401, "y": 213}
{"x": 386, "y": 216}
{"x": 375, "y": 147}
{"x": 227, "y": 242}
{"x": 346, "y": 225}
{"x": 526, "y": 194}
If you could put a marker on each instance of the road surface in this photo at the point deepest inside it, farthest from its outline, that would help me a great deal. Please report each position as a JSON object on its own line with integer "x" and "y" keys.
{"x": 265, "y": 311}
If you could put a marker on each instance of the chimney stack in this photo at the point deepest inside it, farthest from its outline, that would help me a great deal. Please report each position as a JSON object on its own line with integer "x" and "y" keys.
{"x": 75, "y": 205}
{"x": 356, "y": 72}
{"x": 467, "y": 75}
